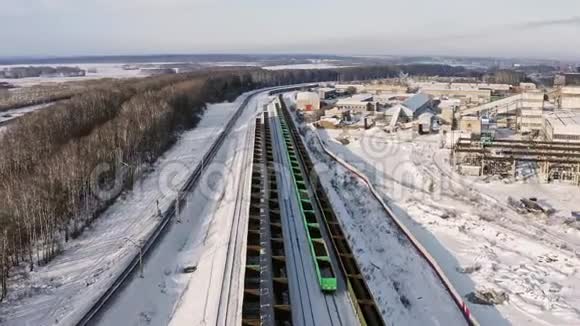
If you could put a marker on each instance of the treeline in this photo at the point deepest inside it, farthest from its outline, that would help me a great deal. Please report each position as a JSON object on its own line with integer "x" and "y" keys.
{"x": 46, "y": 93}
{"x": 32, "y": 96}
{"x": 47, "y": 158}
{"x": 367, "y": 73}
{"x": 38, "y": 71}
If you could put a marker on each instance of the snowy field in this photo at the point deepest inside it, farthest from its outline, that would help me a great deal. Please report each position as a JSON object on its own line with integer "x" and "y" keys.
{"x": 103, "y": 70}
{"x": 115, "y": 70}
{"x": 59, "y": 293}
{"x": 303, "y": 66}
{"x": 466, "y": 223}
{"x": 8, "y": 115}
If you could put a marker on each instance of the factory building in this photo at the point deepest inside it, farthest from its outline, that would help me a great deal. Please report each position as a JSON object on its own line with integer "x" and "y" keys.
{"x": 467, "y": 95}
{"x": 357, "y": 103}
{"x": 563, "y": 126}
{"x": 425, "y": 122}
{"x": 419, "y": 104}
{"x": 307, "y": 101}
{"x": 326, "y": 93}
{"x": 376, "y": 89}
{"x": 570, "y": 98}
{"x": 398, "y": 113}
{"x": 385, "y": 89}
{"x": 531, "y": 117}
{"x": 418, "y": 108}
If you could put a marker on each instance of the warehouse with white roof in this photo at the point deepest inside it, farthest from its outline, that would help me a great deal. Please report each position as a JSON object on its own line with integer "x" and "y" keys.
{"x": 562, "y": 126}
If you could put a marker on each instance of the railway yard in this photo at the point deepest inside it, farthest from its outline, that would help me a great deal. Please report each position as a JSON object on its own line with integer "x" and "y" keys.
{"x": 282, "y": 263}
{"x": 201, "y": 163}
{"x": 275, "y": 224}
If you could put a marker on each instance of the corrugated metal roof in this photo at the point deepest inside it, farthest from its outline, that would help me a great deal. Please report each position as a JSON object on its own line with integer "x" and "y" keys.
{"x": 417, "y": 101}
{"x": 395, "y": 110}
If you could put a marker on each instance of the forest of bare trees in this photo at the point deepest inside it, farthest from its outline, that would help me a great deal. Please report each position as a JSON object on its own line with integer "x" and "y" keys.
{"x": 47, "y": 158}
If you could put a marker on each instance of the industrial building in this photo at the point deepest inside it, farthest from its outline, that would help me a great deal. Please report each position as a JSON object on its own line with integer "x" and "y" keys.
{"x": 531, "y": 118}
{"x": 325, "y": 93}
{"x": 375, "y": 89}
{"x": 464, "y": 92}
{"x": 562, "y": 126}
{"x": 307, "y": 101}
{"x": 358, "y": 103}
{"x": 419, "y": 104}
{"x": 398, "y": 114}
{"x": 425, "y": 122}
{"x": 417, "y": 108}
{"x": 555, "y": 161}
{"x": 570, "y": 98}
{"x": 379, "y": 89}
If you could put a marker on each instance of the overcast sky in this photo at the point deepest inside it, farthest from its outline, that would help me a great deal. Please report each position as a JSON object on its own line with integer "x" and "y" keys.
{"x": 529, "y": 28}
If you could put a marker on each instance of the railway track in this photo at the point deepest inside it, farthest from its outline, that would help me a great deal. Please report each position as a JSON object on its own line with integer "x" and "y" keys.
{"x": 229, "y": 294}
{"x": 266, "y": 293}
{"x": 316, "y": 204}
{"x": 311, "y": 305}
{"x": 318, "y": 248}
{"x": 167, "y": 216}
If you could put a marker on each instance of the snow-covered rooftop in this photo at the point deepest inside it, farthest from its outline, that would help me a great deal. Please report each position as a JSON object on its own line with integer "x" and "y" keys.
{"x": 417, "y": 101}
{"x": 398, "y": 108}
{"x": 566, "y": 122}
{"x": 357, "y": 99}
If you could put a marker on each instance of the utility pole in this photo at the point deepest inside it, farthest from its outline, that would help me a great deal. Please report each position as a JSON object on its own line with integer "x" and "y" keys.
{"x": 158, "y": 209}
{"x": 177, "y": 204}
{"x": 138, "y": 245}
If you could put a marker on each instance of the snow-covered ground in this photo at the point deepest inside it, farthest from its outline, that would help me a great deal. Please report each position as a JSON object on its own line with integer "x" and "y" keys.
{"x": 303, "y": 66}
{"x": 93, "y": 71}
{"x": 466, "y": 222}
{"x": 219, "y": 206}
{"x": 15, "y": 113}
{"x": 60, "y": 292}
